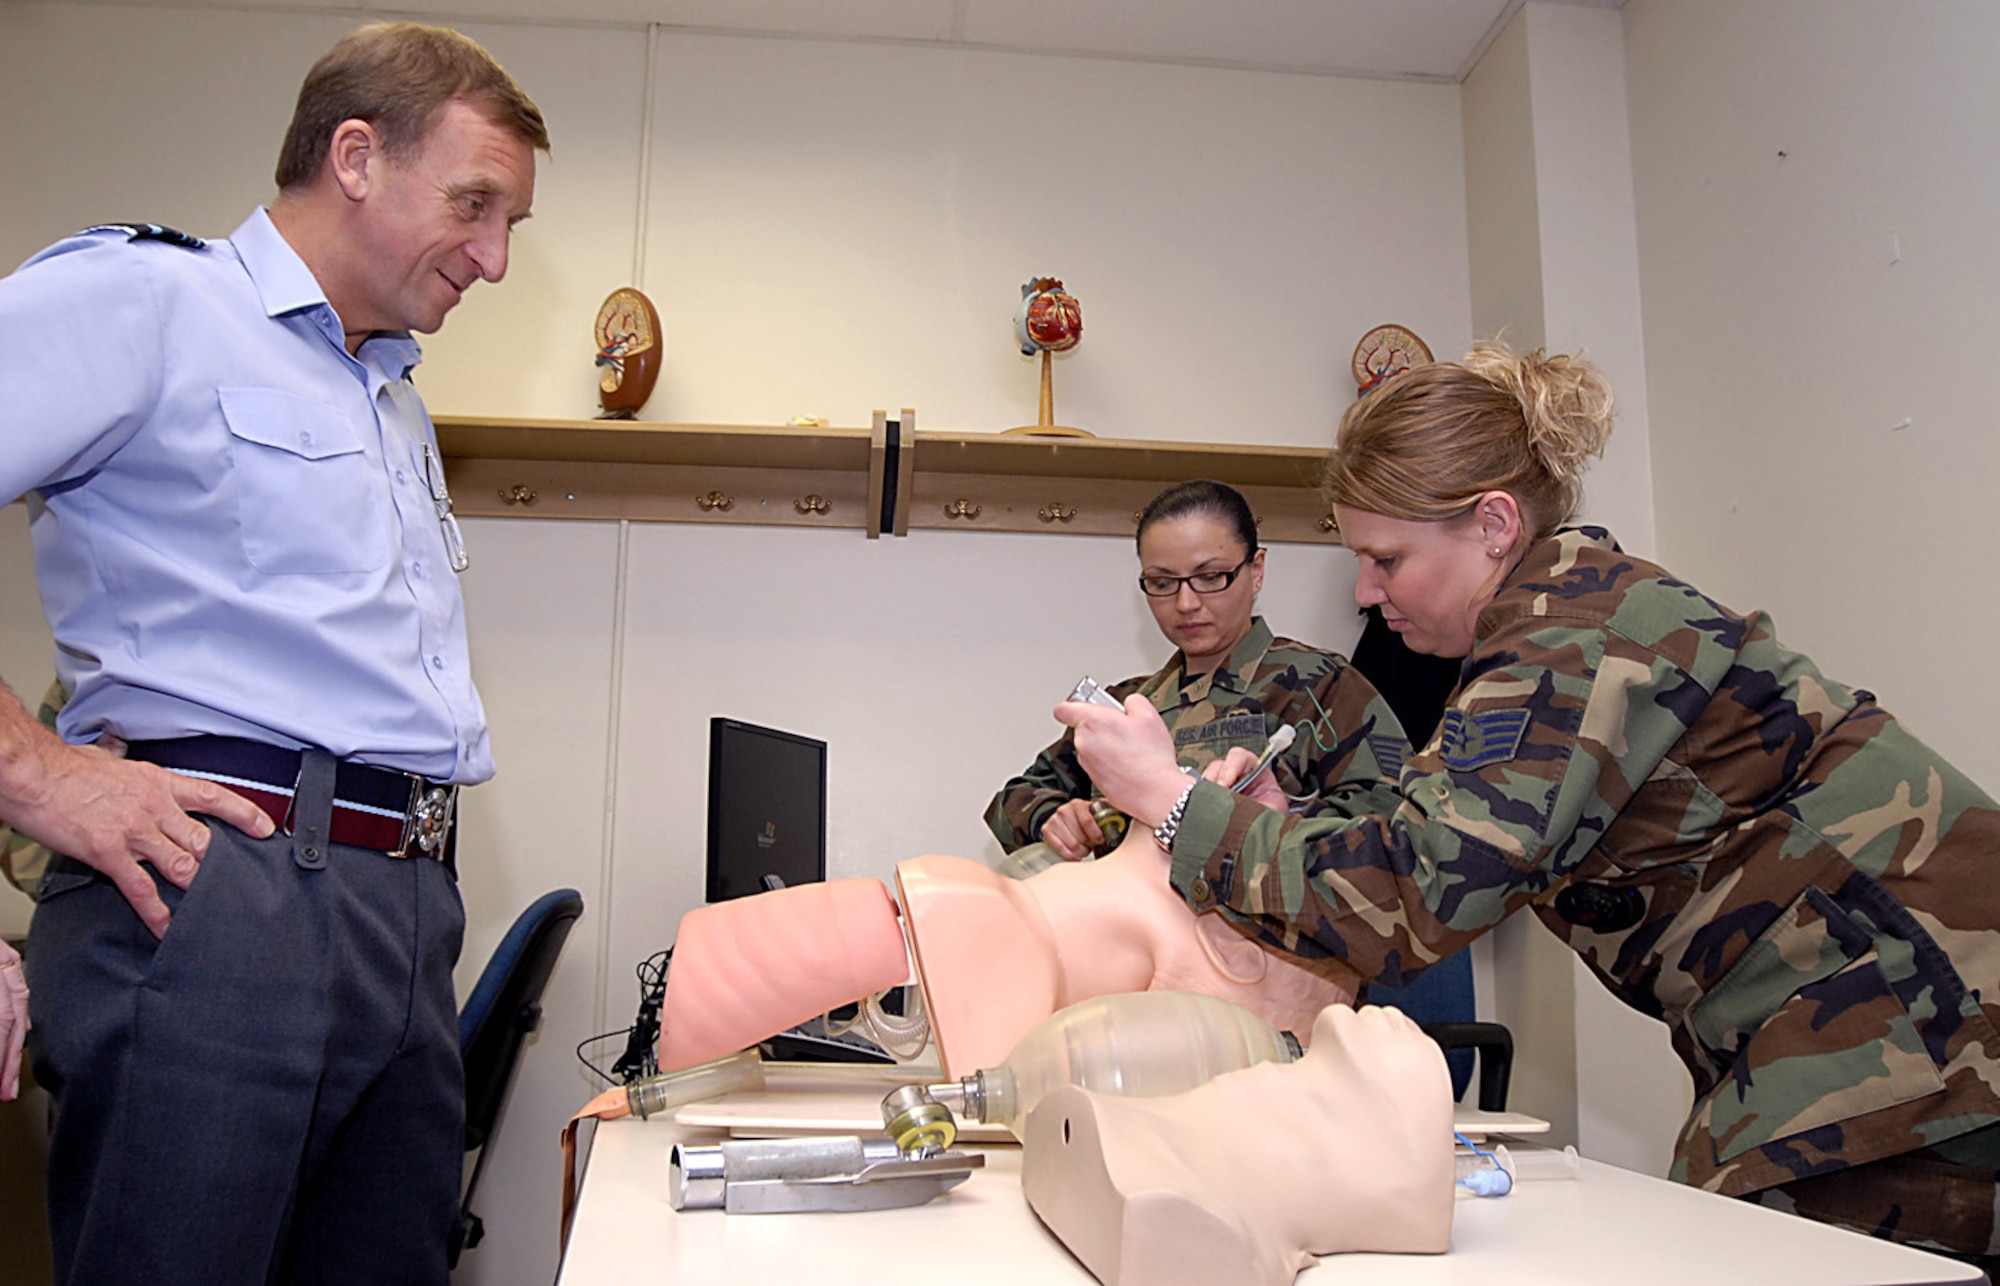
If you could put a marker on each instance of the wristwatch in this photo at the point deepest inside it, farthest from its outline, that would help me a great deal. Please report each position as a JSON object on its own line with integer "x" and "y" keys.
{"x": 1164, "y": 833}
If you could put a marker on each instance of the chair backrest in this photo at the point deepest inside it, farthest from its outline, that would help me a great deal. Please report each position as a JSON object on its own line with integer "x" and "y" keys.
{"x": 506, "y": 1005}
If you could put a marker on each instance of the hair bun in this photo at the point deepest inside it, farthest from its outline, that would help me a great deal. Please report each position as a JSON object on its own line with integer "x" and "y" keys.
{"x": 1565, "y": 402}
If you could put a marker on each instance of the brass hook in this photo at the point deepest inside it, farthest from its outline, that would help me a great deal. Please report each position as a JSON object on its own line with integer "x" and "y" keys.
{"x": 715, "y": 500}
{"x": 961, "y": 508}
{"x": 1327, "y": 524}
{"x": 1055, "y": 513}
{"x": 812, "y": 504}
{"x": 518, "y": 494}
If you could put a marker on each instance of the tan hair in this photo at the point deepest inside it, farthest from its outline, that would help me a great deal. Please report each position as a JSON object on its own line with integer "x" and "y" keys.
{"x": 399, "y": 77}
{"x": 1427, "y": 444}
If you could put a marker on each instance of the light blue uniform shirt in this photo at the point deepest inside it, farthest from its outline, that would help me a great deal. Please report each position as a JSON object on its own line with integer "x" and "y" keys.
{"x": 233, "y": 529}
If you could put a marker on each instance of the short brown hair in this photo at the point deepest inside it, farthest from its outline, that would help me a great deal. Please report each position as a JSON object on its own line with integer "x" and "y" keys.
{"x": 1427, "y": 444}
{"x": 399, "y": 77}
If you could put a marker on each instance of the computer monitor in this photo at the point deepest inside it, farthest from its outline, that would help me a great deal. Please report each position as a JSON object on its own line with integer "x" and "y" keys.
{"x": 766, "y": 809}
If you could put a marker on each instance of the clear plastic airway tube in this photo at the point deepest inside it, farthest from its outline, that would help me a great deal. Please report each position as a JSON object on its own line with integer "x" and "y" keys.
{"x": 1533, "y": 1163}
{"x": 902, "y": 1038}
{"x": 669, "y": 1090}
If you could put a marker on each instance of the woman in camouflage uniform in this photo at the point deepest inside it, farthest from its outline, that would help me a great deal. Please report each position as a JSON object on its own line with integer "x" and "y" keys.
{"x": 1759, "y": 856}
{"x": 1229, "y": 682}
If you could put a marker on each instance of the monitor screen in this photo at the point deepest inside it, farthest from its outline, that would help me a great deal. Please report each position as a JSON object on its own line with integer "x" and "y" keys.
{"x": 766, "y": 809}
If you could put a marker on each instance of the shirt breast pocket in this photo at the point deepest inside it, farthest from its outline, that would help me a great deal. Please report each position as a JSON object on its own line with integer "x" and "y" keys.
{"x": 308, "y": 496}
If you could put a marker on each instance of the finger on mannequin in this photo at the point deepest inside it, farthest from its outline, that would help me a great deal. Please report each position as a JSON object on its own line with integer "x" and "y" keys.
{"x": 1266, "y": 791}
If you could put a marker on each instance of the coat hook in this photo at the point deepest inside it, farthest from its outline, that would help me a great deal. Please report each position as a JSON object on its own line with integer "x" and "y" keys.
{"x": 518, "y": 494}
{"x": 1055, "y": 513}
{"x": 812, "y": 504}
{"x": 715, "y": 500}
{"x": 961, "y": 508}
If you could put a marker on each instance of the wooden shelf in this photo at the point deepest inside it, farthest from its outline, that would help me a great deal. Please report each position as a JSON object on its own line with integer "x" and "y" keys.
{"x": 882, "y": 480}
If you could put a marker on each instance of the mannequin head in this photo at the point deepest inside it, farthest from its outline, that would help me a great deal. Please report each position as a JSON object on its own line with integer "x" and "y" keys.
{"x": 1244, "y": 1179}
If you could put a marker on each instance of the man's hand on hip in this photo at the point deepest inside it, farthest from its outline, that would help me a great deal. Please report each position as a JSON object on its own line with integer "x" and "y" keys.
{"x": 112, "y": 814}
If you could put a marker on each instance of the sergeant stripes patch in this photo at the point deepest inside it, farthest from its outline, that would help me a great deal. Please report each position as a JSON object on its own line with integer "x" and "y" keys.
{"x": 1470, "y": 742}
{"x": 1389, "y": 752}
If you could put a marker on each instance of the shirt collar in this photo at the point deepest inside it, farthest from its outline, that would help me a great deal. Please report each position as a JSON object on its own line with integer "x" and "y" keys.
{"x": 1231, "y": 675}
{"x": 286, "y": 285}
{"x": 1552, "y": 555}
{"x": 1547, "y": 559}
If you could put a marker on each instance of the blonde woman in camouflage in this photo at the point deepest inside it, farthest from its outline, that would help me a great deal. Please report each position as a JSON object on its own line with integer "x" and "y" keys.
{"x": 1229, "y": 683}
{"x": 1754, "y": 853}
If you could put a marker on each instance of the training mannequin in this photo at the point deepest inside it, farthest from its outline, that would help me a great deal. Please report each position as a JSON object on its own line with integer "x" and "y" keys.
{"x": 1241, "y": 1181}
{"x": 751, "y": 967}
{"x": 995, "y": 956}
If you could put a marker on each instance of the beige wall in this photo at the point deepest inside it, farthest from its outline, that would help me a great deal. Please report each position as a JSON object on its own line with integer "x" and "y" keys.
{"x": 827, "y": 229}
{"x": 834, "y": 228}
{"x": 1817, "y": 207}
{"x": 1555, "y": 263}
{"x": 1532, "y": 976}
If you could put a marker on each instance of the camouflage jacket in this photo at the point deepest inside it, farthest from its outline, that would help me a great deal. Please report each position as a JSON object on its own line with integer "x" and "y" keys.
{"x": 23, "y": 862}
{"x": 1760, "y": 857}
{"x": 1266, "y": 682}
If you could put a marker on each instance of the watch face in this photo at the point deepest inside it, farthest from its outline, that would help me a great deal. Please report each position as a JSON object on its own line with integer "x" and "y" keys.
{"x": 1387, "y": 351}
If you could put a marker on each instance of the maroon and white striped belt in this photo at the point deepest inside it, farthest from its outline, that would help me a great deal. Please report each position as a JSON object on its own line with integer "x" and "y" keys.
{"x": 392, "y": 812}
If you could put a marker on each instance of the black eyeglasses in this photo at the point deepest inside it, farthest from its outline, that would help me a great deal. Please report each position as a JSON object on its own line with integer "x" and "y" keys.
{"x": 1200, "y": 582}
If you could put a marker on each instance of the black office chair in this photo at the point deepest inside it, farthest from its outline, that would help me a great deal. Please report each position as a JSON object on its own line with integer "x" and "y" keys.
{"x": 504, "y": 1007}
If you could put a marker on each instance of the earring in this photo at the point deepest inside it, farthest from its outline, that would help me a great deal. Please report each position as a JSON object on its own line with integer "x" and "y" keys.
{"x": 1497, "y": 551}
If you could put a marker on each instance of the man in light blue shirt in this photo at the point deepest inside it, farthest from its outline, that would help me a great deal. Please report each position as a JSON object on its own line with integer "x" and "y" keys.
{"x": 249, "y": 564}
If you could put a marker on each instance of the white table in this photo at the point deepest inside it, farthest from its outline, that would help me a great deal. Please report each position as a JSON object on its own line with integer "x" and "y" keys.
{"x": 1606, "y": 1225}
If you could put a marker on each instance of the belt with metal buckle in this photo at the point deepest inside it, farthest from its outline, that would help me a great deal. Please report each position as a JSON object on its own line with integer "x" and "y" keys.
{"x": 392, "y": 812}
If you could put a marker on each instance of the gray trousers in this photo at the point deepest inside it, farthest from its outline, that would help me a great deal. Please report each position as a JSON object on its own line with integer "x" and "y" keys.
{"x": 270, "y": 1093}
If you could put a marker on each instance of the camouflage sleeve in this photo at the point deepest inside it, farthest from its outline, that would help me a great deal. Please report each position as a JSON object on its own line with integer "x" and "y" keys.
{"x": 1017, "y": 812}
{"x": 22, "y": 861}
{"x": 1558, "y": 724}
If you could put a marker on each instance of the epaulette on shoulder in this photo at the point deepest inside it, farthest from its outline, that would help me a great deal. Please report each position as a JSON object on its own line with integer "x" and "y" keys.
{"x": 149, "y": 232}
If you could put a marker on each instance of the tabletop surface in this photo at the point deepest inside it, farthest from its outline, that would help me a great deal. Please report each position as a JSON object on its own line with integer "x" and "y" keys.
{"x": 1606, "y": 1224}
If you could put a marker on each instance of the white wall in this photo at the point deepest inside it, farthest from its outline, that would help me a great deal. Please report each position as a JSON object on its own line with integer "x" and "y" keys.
{"x": 1816, "y": 214}
{"x": 827, "y": 229}
{"x": 1533, "y": 978}
{"x": 1555, "y": 264}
